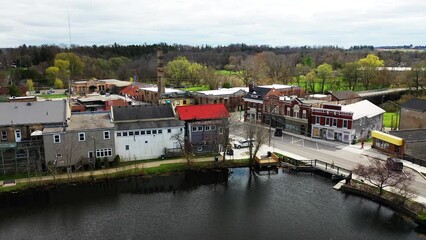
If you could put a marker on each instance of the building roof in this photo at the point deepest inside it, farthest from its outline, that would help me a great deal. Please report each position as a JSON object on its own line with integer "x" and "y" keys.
{"x": 116, "y": 82}
{"x": 276, "y": 86}
{"x": 411, "y": 135}
{"x": 142, "y": 112}
{"x": 415, "y": 104}
{"x": 343, "y": 95}
{"x": 24, "y": 113}
{"x": 148, "y": 124}
{"x": 90, "y": 121}
{"x": 258, "y": 93}
{"x": 363, "y": 109}
{"x": 202, "y": 112}
{"x": 224, "y": 91}
{"x": 166, "y": 90}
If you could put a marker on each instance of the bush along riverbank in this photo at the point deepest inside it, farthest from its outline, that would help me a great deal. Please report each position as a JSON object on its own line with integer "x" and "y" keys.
{"x": 399, "y": 203}
{"x": 43, "y": 182}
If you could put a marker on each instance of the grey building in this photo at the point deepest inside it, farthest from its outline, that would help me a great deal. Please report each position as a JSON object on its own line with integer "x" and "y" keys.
{"x": 21, "y": 126}
{"x": 87, "y": 136}
{"x": 413, "y": 114}
{"x": 366, "y": 118}
{"x": 414, "y": 144}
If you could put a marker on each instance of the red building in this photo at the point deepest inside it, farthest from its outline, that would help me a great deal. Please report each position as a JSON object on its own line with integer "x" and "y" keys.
{"x": 332, "y": 123}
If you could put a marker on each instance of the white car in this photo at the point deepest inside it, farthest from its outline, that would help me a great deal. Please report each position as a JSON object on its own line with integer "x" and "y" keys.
{"x": 243, "y": 143}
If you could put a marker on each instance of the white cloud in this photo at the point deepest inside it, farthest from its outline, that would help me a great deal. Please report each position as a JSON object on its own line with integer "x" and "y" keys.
{"x": 305, "y": 22}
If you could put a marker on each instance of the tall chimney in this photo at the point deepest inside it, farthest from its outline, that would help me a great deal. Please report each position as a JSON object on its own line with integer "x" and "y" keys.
{"x": 160, "y": 72}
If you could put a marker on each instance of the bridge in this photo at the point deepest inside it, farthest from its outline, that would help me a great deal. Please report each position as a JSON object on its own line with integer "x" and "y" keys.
{"x": 382, "y": 92}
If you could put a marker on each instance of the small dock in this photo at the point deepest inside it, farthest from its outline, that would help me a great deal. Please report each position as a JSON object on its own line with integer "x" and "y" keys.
{"x": 337, "y": 173}
{"x": 267, "y": 162}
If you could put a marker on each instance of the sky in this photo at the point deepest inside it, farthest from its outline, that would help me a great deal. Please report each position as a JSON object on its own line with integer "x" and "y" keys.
{"x": 342, "y": 23}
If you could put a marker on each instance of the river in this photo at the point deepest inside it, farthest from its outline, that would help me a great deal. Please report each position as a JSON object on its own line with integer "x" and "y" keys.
{"x": 208, "y": 205}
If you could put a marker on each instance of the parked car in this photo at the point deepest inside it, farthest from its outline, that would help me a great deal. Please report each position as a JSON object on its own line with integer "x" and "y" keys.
{"x": 278, "y": 132}
{"x": 243, "y": 143}
{"x": 394, "y": 164}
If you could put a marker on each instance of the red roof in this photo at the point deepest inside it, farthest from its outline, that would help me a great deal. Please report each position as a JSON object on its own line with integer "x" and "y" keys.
{"x": 202, "y": 112}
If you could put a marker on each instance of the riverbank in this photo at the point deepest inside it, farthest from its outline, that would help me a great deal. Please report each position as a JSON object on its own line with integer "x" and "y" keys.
{"x": 143, "y": 169}
{"x": 401, "y": 204}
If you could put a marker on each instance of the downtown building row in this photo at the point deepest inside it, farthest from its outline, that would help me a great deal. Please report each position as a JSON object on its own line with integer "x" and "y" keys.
{"x": 36, "y": 136}
{"x": 320, "y": 116}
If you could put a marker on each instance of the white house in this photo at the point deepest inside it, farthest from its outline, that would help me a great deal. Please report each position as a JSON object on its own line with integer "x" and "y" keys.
{"x": 144, "y": 131}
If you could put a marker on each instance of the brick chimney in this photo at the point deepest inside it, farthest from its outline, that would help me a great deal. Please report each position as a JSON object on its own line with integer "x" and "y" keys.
{"x": 160, "y": 72}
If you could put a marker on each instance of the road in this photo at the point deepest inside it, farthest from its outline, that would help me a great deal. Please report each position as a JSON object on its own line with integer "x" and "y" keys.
{"x": 341, "y": 155}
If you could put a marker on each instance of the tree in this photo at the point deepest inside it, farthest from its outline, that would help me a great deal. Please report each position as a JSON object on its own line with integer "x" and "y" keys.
{"x": 14, "y": 91}
{"x": 417, "y": 77}
{"x": 30, "y": 85}
{"x": 278, "y": 67}
{"x": 209, "y": 77}
{"x": 259, "y": 135}
{"x": 76, "y": 66}
{"x": 368, "y": 67}
{"x": 52, "y": 73}
{"x": 324, "y": 72}
{"x": 377, "y": 174}
{"x": 58, "y": 84}
{"x": 310, "y": 81}
{"x": 178, "y": 70}
{"x": 184, "y": 147}
{"x": 351, "y": 74}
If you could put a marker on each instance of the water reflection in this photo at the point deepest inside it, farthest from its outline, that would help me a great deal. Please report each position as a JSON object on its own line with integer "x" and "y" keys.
{"x": 194, "y": 205}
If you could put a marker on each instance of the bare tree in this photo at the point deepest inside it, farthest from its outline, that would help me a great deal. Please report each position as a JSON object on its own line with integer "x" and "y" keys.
{"x": 380, "y": 176}
{"x": 184, "y": 147}
{"x": 259, "y": 135}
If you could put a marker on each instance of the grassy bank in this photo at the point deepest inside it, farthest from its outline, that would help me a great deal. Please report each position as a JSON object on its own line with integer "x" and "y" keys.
{"x": 132, "y": 171}
{"x": 387, "y": 119}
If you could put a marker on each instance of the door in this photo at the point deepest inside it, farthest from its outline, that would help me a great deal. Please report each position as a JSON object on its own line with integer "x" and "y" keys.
{"x": 18, "y": 136}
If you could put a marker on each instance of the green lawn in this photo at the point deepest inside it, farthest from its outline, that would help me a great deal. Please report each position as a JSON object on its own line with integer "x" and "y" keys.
{"x": 387, "y": 119}
{"x": 197, "y": 88}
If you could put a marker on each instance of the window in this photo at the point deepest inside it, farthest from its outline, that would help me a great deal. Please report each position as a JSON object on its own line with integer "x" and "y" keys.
{"x": 154, "y": 131}
{"x": 327, "y": 121}
{"x": 194, "y": 129}
{"x": 131, "y": 133}
{"x": 288, "y": 111}
{"x": 207, "y": 128}
{"x": 345, "y": 123}
{"x": 317, "y": 120}
{"x": 200, "y": 128}
{"x": 295, "y": 113}
{"x": 142, "y": 132}
{"x": 137, "y": 133}
{"x": 220, "y": 130}
{"x": 213, "y": 127}
{"x": 124, "y": 134}
{"x": 169, "y": 130}
{"x": 3, "y": 135}
{"x": 81, "y": 137}
{"x": 127, "y": 147}
{"x": 119, "y": 134}
{"x": 57, "y": 138}
{"x": 90, "y": 154}
{"x": 160, "y": 131}
{"x": 304, "y": 114}
{"x": 334, "y": 122}
{"x": 106, "y": 135}
{"x": 184, "y": 102}
{"x": 148, "y": 131}
{"x": 105, "y": 152}
{"x": 59, "y": 155}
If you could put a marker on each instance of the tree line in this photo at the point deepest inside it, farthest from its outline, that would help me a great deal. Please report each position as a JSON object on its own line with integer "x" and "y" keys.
{"x": 318, "y": 69}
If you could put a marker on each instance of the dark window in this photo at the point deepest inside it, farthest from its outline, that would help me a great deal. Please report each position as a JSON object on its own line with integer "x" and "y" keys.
{"x": 169, "y": 130}
{"x": 127, "y": 147}
{"x": 160, "y": 131}
{"x": 142, "y": 132}
{"x": 154, "y": 131}
{"x": 131, "y": 133}
{"x": 137, "y": 132}
{"x": 148, "y": 132}
{"x": 124, "y": 134}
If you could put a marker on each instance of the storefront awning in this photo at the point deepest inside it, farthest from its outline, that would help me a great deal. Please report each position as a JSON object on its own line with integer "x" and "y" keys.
{"x": 387, "y": 138}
